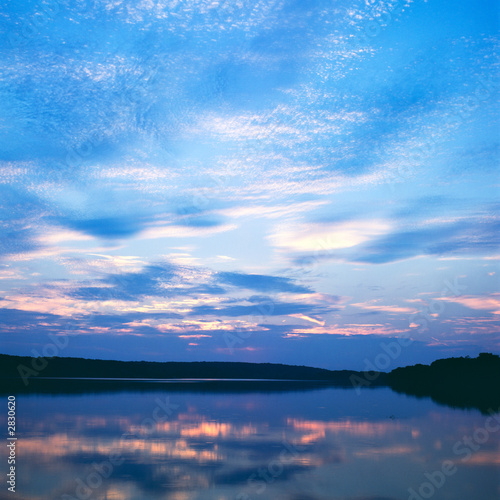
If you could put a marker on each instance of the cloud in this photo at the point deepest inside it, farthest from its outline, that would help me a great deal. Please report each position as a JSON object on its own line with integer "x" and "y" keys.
{"x": 187, "y": 326}
{"x": 328, "y": 236}
{"x": 106, "y": 227}
{"x": 349, "y": 330}
{"x": 151, "y": 280}
{"x": 441, "y": 239}
{"x": 374, "y": 305}
{"x": 272, "y": 211}
{"x": 165, "y": 290}
{"x": 265, "y": 310}
{"x": 383, "y": 242}
{"x": 261, "y": 283}
{"x": 18, "y": 241}
{"x": 16, "y": 317}
{"x": 307, "y": 318}
{"x": 18, "y": 215}
{"x": 482, "y": 302}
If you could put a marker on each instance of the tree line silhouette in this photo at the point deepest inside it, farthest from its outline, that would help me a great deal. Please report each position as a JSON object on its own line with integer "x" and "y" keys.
{"x": 460, "y": 382}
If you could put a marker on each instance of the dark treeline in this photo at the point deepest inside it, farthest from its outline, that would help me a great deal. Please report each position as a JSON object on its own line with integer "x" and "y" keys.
{"x": 25, "y": 366}
{"x": 459, "y": 382}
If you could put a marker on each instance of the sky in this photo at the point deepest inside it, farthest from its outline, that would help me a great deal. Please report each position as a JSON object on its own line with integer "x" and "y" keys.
{"x": 302, "y": 182}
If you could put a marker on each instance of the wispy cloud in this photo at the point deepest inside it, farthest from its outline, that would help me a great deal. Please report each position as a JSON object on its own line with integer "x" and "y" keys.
{"x": 375, "y": 305}
{"x": 481, "y": 302}
{"x": 350, "y": 329}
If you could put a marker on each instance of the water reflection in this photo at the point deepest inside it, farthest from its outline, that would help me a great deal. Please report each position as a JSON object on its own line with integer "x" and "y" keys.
{"x": 311, "y": 445}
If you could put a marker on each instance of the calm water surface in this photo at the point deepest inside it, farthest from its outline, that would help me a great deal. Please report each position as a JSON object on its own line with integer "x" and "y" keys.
{"x": 305, "y": 445}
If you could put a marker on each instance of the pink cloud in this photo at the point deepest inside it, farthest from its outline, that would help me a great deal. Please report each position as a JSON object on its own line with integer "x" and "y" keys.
{"x": 482, "y": 302}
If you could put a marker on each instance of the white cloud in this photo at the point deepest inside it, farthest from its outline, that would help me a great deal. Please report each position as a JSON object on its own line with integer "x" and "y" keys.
{"x": 321, "y": 237}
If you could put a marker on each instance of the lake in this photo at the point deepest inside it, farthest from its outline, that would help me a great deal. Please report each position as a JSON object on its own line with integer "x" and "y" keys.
{"x": 163, "y": 442}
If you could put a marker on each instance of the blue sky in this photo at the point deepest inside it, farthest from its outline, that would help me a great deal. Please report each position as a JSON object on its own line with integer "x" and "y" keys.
{"x": 280, "y": 181}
